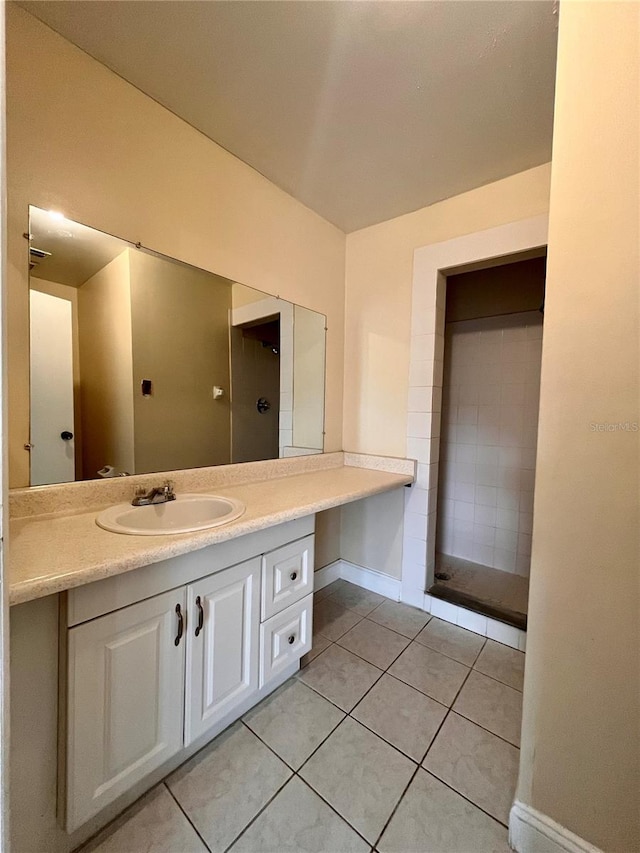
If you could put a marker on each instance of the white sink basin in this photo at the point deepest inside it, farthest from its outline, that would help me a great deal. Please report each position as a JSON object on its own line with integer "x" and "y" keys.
{"x": 186, "y": 514}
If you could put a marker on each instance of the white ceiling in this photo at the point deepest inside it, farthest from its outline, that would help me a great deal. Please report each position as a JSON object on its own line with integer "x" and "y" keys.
{"x": 76, "y": 251}
{"x": 361, "y": 110}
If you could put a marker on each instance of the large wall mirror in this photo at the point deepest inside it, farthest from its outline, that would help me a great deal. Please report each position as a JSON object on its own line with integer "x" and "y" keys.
{"x": 140, "y": 363}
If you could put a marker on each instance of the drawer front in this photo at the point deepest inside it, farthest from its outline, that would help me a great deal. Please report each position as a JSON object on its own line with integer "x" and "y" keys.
{"x": 285, "y": 638}
{"x": 287, "y": 576}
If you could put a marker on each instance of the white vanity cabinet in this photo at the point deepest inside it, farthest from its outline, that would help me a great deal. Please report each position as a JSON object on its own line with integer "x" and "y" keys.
{"x": 126, "y": 700}
{"x": 222, "y": 645}
{"x": 154, "y": 672}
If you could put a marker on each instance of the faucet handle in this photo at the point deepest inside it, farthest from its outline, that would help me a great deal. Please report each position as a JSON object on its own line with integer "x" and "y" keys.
{"x": 168, "y": 487}
{"x": 140, "y": 491}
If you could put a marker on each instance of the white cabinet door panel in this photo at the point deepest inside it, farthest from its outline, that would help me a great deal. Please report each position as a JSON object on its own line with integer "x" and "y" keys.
{"x": 125, "y": 701}
{"x": 222, "y": 660}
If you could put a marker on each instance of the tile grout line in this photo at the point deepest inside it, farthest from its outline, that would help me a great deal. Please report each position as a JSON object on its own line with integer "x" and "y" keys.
{"x": 446, "y": 716}
{"x": 377, "y": 607}
{"x": 364, "y": 660}
{"x": 257, "y": 815}
{"x": 493, "y": 678}
{"x": 464, "y": 796}
{"x": 322, "y": 742}
{"x": 366, "y": 693}
{"x": 367, "y": 615}
{"x": 391, "y": 675}
{"x": 295, "y": 774}
{"x": 485, "y": 729}
{"x": 187, "y": 818}
{"x": 360, "y": 723}
{"x": 395, "y": 808}
{"x": 384, "y": 672}
{"x": 433, "y": 739}
{"x": 333, "y": 809}
{"x": 444, "y": 654}
{"x": 264, "y": 743}
{"x": 374, "y": 664}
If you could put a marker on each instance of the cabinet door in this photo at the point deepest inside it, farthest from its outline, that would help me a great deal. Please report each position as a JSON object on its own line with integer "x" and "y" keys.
{"x": 222, "y": 645}
{"x": 125, "y": 700}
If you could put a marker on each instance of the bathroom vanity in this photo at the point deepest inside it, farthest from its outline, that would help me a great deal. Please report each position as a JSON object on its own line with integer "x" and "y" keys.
{"x": 130, "y": 653}
{"x": 165, "y": 656}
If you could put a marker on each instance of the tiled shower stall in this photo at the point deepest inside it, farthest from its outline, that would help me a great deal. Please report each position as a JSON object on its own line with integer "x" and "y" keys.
{"x": 489, "y": 424}
{"x": 425, "y": 402}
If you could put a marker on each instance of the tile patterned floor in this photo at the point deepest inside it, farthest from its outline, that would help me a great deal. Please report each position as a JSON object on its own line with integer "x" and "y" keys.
{"x": 399, "y": 734}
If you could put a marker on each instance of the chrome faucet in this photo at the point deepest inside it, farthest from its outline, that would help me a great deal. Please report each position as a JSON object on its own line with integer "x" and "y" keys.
{"x": 157, "y": 495}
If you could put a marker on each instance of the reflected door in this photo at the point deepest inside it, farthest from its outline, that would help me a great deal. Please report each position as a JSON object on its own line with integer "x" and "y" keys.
{"x": 52, "y": 426}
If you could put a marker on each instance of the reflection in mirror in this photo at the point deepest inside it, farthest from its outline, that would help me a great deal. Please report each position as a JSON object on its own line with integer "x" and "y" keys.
{"x": 140, "y": 363}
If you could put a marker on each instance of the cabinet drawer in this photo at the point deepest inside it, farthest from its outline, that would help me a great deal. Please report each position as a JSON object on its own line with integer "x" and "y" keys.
{"x": 285, "y": 638}
{"x": 287, "y": 576}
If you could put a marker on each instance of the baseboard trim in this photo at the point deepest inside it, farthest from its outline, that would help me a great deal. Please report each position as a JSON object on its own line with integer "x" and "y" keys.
{"x": 326, "y": 575}
{"x": 366, "y": 578}
{"x": 373, "y": 581}
{"x": 531, "y": 831}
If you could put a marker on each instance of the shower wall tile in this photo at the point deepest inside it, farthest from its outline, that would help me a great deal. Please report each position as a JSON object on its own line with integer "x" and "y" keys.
{"x": 489, "y": 406}
{"x": 419, "y": 399}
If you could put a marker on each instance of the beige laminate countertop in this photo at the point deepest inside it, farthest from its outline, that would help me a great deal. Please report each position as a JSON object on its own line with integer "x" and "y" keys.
{"x": 51, "y": 553}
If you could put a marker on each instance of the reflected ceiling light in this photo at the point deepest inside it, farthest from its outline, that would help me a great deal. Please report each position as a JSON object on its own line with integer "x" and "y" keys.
{"x": 55, "y": 214}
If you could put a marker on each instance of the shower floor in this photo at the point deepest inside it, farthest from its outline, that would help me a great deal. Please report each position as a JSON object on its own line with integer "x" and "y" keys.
{"x": 500, "y": 595}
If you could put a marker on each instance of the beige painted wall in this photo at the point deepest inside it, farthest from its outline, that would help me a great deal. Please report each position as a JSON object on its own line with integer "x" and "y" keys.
{"x": 328, "y": 525}
{"x": 83, "y": 141}
{"x": 580, "y": 739}
{"x": 371, "y": 532}
{"x": 106, "y": 399}
{"x": 379, "y": 269}
{"x": 180, "y": 323}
